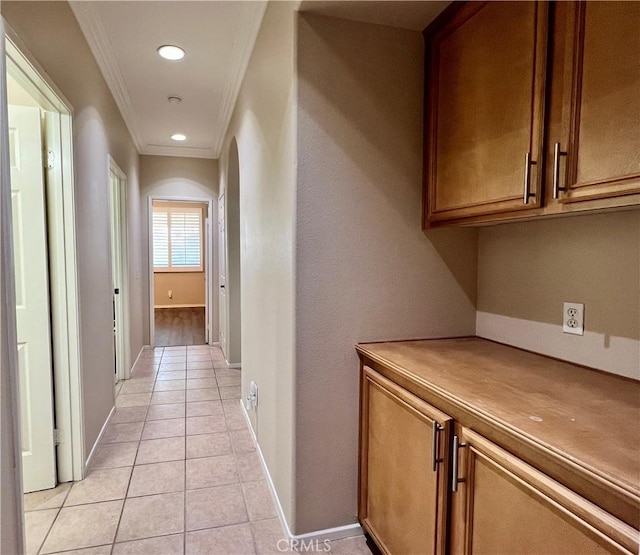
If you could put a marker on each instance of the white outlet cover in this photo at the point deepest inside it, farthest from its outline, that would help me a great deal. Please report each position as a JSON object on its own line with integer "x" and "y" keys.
{"x": 573, "y": 318}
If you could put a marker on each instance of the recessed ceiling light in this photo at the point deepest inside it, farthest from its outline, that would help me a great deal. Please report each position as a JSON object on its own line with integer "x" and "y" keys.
{"x": 178, "y": 137}
{"x": 171, "y": 52}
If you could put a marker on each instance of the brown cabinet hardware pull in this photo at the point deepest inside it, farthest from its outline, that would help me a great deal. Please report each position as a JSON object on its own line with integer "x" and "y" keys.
{"x": 454, "y": 464}
{"x": 527, "y": 178}
{"x": 556, "y": 170}
{"x": 435, "y": 428}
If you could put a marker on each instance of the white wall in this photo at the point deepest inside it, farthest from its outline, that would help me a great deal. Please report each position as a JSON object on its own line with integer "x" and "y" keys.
{"x": 263, "y": 123}
{"x": 180, "y": 178}
{"x": 50, "y": 32}
{"x": 364, "y": 269}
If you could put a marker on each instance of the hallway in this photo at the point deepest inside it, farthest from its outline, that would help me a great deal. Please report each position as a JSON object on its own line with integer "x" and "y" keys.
{"x": 176, "y": 469}
{"x": 175, "y": 472}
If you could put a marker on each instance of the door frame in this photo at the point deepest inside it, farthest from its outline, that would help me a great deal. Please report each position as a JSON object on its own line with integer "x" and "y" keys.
{"x": 63, "y": 274}
{"x": 123, "y": 339}
{"x": 208, "y": 251}
{"x": 223, "y": 256}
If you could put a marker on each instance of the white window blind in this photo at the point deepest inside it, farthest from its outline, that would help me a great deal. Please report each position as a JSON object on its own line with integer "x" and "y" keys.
{"x": 177, "y": 239}
{"x": 160, "y": 239}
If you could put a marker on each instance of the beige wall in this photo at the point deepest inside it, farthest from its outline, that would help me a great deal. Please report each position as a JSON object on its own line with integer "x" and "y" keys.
{"x": 527, "y": 270}
{"x": 50, "y": 32}
{"x": 364, "y": 269}
{"x": 187, "y": 289}
{"x": 177, "y": 178}
{"x": 263, "y": 123}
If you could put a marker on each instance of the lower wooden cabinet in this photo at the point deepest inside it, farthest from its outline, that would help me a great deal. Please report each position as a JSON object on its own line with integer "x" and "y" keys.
{"x": 430, "y": 485}
{"x": 503, "y": 505}
{"x": 403, "y": 477}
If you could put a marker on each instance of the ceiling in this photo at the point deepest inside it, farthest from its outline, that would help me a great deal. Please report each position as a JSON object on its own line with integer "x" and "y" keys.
{"x": 412, "y": 14}
{"x": 218, "y": 37}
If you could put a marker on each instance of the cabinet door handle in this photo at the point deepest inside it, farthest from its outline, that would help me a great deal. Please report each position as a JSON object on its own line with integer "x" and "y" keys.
{"x": 527, "y": 178}
{"x": 454, "y": 464}
{"x": 435, "y": 428}
{"x": 556, "y": 170}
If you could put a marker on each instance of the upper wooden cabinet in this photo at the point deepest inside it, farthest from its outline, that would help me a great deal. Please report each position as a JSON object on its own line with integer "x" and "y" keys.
{"x": 601, "y": 102}
{"x": 486, "y": 106}
{"x": 530, "y": 113}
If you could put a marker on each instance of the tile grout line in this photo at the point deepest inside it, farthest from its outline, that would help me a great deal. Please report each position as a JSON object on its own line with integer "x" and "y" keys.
{"x": 115, "y": 536}
{"x": 184, "y": 506}
{"x": 75, "y": 550}
{"x": 59, "y": 509}
{"x": 224, "y": 414}
{"x": 184, "y": 495}
{"x": 184, "y": 466}
{"x": 39, "y": 550}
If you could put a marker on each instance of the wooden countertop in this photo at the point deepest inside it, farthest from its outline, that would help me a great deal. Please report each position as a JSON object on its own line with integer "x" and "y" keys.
{"x": 587, "y": 417}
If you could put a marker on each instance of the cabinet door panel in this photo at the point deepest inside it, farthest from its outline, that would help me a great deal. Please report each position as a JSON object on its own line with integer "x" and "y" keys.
{"x": 402, "y": 499}
{"x": 602, "y": 100}
{"x": 486, "y": 102}
{"x": 506, "y": 506}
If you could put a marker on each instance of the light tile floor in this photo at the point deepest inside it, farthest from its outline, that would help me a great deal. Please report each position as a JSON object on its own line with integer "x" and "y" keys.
{"x": 176, "y": 472}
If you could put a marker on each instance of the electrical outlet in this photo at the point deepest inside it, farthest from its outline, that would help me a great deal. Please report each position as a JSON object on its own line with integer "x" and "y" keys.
{"x": 251, "y": 400}
{"x": 253, "y": 391}
{"x": 573, "y": 318}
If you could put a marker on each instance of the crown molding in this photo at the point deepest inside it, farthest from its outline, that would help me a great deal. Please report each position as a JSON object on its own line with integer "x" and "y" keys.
{"x": 181, "y": 151}
{"x": 96, "y": 36}
{"x": 241, "y": 54}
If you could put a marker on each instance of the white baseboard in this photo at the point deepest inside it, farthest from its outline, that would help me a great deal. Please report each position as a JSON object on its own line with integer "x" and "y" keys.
{"x": 87, "y": 464}
{"x": 236, "y": 365}
{"x": 179, "y": 306}
{"x": 214, "y": 343}
{"x": 338, "y": 533}
{"x": 137, "y": 359}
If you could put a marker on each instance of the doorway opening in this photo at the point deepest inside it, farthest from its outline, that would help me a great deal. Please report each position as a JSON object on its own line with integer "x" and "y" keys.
{"x": 179, "y": 264}
{"x": 43, "y": 238}
{"x": 119, "y": 270}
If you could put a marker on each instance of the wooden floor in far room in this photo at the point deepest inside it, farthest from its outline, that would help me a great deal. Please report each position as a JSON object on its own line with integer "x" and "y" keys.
{"x": 179, "y": 326}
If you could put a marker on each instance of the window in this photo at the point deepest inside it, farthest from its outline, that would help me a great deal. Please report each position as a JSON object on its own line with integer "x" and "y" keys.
{"x": 177, "y": 239}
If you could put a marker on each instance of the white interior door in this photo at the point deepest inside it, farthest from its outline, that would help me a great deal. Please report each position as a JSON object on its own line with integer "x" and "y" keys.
{"x": 116, "y": 275}
{"x": 222, "y": 265}
{"x": 32, "y": 298}
{"x": 119, "y": 270}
